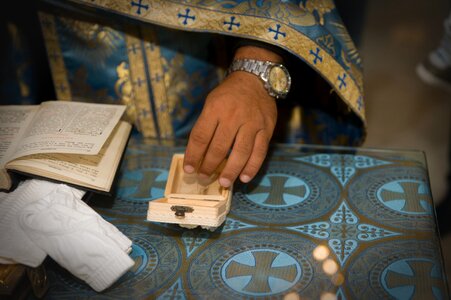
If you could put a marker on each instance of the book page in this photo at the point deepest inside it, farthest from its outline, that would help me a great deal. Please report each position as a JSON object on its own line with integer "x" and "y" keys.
{"x": 14, "y": 119}
{"x": 69, "y": 127}
{"x": 92, "y": 171}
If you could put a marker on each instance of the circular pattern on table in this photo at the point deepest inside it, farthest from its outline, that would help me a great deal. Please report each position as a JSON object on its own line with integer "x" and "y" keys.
{"x": 288, "y": 192}
{"x": 255, "y": 264}
{"x": 395, "y": 196}
{"x": 408, "y": 269}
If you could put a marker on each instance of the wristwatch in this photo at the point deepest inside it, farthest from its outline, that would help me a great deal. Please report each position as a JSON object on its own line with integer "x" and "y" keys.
{"x": 275, "y": 76}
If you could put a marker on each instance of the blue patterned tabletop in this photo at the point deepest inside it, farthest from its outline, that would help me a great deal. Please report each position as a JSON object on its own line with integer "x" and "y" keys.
{"x": 317, "y": 223}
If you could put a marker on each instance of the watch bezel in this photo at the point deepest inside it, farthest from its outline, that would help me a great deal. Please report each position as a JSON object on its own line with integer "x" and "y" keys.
{"x": 272, "y": 92}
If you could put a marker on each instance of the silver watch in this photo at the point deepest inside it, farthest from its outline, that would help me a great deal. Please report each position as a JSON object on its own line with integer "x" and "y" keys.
{"x": 275, "y": 76}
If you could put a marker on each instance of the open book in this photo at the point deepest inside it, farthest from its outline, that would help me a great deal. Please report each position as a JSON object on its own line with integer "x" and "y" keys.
{"x": 72, "y": 142}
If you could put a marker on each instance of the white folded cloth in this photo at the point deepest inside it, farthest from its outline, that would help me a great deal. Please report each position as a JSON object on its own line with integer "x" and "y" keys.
{"x": 15, "y": 246}
{"x": 58, "y": 223}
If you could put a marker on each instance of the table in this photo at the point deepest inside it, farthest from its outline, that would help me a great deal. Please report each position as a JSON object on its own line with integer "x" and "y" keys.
{"x": 317, "y": 223}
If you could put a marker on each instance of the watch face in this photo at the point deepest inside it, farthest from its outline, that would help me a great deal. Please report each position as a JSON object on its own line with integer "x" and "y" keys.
{"x": 278, "y": 80}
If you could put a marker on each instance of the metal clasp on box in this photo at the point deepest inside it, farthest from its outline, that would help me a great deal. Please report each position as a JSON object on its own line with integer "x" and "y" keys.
{"x": 181, "y": 210}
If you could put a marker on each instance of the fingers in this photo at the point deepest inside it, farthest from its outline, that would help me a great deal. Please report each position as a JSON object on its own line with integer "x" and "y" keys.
{"x": 239, "y": 156}
{"x": 198, "y": 142}
{"x": 218, "y": 148}
{"x": 247, "y": 156}
{"x": 257, "y": 157}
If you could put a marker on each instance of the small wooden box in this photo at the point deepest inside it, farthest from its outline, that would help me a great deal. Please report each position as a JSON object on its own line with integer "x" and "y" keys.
{"x": 190, "y": 201}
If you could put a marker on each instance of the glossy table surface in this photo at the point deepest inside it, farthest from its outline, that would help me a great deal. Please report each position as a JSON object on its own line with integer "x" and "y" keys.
{"x": 317, "y": 223}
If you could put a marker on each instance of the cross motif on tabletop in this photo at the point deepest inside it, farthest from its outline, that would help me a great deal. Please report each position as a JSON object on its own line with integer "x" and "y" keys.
{"x": 421, "y": 279}
{"x": 139, "y": 5}
{"x": 231, "y": 23}
{"x": 412, "y": 198}
{"x": 261, "y": 271}
{"x": 277, "y": 32}
{"x": 133, "y": 48}
{"x": 316, "y": 55}
{"x": 186, "y": 16}
{"x": 342, "y": 80}
{"x": 277, "y": 189}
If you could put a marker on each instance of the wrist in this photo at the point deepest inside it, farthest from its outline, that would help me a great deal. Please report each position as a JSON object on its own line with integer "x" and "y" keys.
{"x": 253, "y": 83}
{"x": 257, "y": 53}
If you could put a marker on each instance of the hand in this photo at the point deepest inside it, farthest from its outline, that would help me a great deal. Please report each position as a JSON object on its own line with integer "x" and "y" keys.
{"x": 238, "y": 114}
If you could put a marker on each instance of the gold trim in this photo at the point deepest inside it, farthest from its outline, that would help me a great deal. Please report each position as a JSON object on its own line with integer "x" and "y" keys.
{"x": 55, "y": 57}
{"x": 155, "y": 67}
{"x": 146, "y": 122}
{"x": 165, "y": 13}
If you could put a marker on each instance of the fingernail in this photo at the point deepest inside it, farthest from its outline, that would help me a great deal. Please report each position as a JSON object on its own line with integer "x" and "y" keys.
{"x": 188, "y": 169}
{"x": 224, "y": 182}
{"x": 245, "y": 178}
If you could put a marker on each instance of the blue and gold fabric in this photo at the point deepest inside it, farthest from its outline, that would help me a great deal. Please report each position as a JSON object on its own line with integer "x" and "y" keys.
{"x": 161, "y": 58}
{"x": 317, "y": 223}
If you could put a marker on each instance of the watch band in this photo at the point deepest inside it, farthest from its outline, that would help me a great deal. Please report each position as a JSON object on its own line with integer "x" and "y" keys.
{"x": 256, "y": 67}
